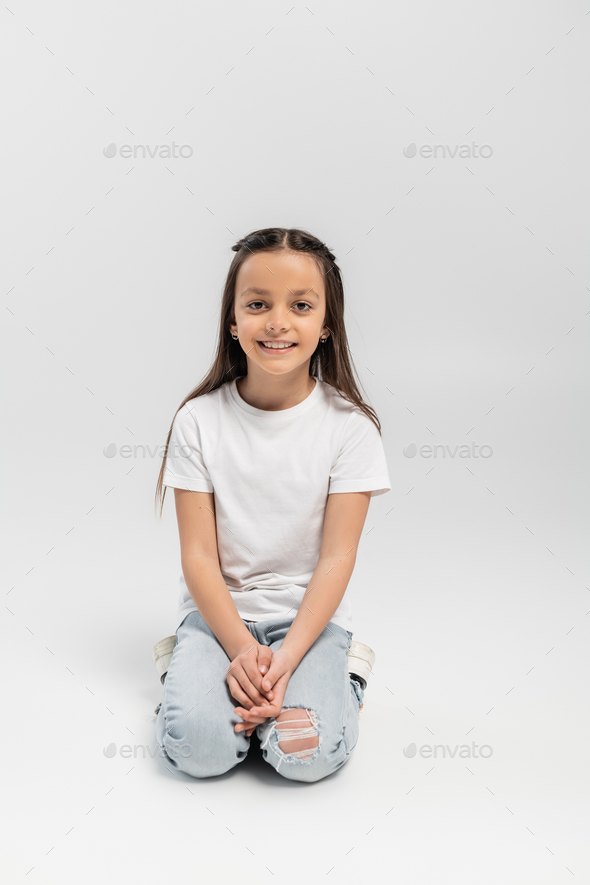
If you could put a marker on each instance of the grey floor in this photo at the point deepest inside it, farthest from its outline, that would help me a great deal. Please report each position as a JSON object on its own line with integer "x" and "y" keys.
{"x": 472, "y": 740}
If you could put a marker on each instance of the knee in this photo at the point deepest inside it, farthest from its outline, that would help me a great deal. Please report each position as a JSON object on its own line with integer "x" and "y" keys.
{"x": 198, "y": 766}
{"x": 298, "y": 733}
{"x": 200, "y": 750}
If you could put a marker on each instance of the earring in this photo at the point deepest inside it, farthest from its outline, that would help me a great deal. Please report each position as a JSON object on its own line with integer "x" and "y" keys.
{"x": 323, "y": 340}
{"x": 235, "y": 337}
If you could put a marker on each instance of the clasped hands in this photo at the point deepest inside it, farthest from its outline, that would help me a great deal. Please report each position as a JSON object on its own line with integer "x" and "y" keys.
{"x": 257, "y": 679}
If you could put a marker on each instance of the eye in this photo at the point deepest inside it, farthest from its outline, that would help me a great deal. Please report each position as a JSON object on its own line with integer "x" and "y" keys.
{"x": 304, "y": 303}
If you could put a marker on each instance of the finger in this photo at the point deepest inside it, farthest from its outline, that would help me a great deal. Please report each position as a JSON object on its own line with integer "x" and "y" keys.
{"x": 273, "y": 679}
{"x": 247, "y": 730}
{"x": 254, "y": 713}
{"x": 268, "y": 681}
{"x": 249, "y": 716}
{"x": 237, "y": 692}
{"x": 256, "y": 677}
{"x": 274, "y": 708}
{"x": 244, "y": 726}
{"x": 264, "y": 658}
{"x": 254, "y": 695}
{"x": 249, "y": 686}
{"x": 249, "y": 724}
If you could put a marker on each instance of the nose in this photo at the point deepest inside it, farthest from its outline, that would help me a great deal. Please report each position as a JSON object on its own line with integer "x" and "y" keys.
{"x": 277, "y": 323}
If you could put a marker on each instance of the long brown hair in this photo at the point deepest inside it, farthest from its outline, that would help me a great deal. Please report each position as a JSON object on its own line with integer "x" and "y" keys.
{"x": 330, "y": 361}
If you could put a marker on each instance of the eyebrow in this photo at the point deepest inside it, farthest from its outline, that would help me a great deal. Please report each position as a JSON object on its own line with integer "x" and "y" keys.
{"x": 254, "y": 290}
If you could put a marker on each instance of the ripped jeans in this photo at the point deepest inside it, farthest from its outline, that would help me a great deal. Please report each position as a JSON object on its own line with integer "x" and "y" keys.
{"x": 196, "y": 719}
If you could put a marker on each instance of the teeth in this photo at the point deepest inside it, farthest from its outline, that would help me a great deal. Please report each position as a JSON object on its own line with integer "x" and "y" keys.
{"x": 276, "y": 346}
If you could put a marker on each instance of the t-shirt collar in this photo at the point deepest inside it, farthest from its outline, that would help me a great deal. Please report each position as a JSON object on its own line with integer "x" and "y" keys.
{"x": 301, "y": 407}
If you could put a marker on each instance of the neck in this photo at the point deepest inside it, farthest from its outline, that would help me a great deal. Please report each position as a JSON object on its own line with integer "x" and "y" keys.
{"x": 274, "y": 397}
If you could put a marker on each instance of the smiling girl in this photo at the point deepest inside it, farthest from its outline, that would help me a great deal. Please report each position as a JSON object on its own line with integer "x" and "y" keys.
{"x": 273, "y": 458}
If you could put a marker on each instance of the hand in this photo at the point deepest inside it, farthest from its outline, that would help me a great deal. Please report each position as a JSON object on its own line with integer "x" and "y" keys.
{"x": 281, "y": 669}
{"x": 246, "y": 673}
{"x": 254, "y": 720}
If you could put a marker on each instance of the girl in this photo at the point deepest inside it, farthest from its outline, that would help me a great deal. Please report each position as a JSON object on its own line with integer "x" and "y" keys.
{"x": 273, "y": 459}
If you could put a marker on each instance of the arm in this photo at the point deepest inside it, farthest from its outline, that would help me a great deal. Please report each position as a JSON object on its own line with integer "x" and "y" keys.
{"x": 195, "y": 513}
{"x": 343, "y": 523}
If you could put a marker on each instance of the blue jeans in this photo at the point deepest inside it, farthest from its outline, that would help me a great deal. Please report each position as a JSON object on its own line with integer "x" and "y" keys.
{"x": 196, "y": 719}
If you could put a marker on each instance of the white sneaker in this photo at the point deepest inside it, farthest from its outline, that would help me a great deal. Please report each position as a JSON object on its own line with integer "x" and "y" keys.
{"x": 360, "y": 663}
{"x": 162, "y": 655}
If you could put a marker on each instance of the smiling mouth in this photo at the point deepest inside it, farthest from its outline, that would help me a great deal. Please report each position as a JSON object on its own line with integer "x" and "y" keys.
{"x": 280, "y": 349}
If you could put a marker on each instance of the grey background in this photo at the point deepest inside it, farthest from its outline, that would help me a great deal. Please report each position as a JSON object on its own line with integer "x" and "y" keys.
{"x": 467, "y": 309}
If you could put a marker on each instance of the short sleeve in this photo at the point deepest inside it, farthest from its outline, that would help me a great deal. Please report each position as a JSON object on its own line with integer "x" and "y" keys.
{"x": 360, "y": 465}
{"x": 185, "y": 467}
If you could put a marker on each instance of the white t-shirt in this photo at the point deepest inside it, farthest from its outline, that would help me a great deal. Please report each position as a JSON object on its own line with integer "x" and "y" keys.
{"x": 271, "y": 474}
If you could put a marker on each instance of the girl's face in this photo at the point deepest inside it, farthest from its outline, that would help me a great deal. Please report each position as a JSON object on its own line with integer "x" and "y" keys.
{"x": 280, "y": 298}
